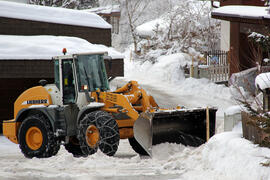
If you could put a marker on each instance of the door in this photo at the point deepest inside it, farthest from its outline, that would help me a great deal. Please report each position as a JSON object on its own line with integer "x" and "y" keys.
{"x": 68, "y": 82}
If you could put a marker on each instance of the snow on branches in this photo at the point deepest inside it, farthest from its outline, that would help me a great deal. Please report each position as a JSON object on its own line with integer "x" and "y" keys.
{"x": 187, "y": 25}
{"x": 70, "y": 4}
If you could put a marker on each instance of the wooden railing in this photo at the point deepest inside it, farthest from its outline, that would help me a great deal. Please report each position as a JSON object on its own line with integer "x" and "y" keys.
{"x": 216, "y": 73}
{"x": 217, "y": 67}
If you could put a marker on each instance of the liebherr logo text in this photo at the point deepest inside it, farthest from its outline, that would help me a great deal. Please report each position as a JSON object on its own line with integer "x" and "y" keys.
{"x": 40, "y": 101}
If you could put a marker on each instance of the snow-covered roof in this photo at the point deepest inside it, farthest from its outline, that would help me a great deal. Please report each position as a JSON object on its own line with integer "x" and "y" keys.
{"x": 105, "y": 9}
{"x": 262, "y": 81}
{"x": 51, "y": 14}
{"x": 45, "y": 47}
{"x": 247, "y": 12}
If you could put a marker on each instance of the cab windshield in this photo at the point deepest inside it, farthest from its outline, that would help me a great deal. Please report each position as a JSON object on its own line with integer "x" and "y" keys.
{"x": 91, "y": 72}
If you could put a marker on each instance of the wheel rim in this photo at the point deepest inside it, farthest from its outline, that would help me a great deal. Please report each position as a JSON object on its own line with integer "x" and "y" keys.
{"x": 92, "y": 136}
{"x": 34, "y": 138}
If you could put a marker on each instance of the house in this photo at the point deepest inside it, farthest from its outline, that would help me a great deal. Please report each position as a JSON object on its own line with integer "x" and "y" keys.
{"x": 111, "y": 14}
{"x": 238, "y": 19}
{"x": 31, "y": 35}
{"x": 25, "y": 19}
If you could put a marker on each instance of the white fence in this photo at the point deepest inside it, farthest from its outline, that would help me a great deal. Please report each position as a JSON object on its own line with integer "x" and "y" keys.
{"x": 216, "y": 73}
{"x": 216, "y": 67}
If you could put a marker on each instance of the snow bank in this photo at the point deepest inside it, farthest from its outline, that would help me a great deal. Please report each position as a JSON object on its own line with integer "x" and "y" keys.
{"x": 45, "y": 47}
{"x": 263, "y": 81}
{"x": 51, "y": 14}
{"x": 253, "y": 12}
{"x": 227, "y": 156}
{"x": 167, "y": 69}
{"x": 167, "y": 74}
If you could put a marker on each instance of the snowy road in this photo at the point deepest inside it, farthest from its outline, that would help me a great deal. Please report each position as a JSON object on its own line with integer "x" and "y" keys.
{"x": 124, "y": 165}
{"x": 226, "y": 156}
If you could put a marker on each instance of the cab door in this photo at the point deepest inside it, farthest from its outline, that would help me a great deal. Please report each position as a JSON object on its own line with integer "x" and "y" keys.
{"x": 68, "y": 81}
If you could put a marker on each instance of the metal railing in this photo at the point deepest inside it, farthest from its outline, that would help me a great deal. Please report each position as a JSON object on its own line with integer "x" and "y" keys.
{"x": 216, "y": 57}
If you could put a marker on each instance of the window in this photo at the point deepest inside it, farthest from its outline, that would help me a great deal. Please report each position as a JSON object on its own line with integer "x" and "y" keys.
{"x": 91, "y": 71}
{"x": 56, "y": 73}
{"x": 115, "y": 24}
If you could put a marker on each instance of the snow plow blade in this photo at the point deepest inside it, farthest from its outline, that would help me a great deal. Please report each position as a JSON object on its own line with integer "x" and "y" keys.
{"x": 185, "y": 126}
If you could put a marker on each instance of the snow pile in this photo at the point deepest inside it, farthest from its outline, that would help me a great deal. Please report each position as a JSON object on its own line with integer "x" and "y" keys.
{"x": 251, "y": 12}
{"x": 168, "y": 73}
{"x": 45, "y": 47}
{"x": 262, "y": 81}
{"x": 167, "y": 68}
{"x": 51, "y": 15}
{"x": 223, "y": 157}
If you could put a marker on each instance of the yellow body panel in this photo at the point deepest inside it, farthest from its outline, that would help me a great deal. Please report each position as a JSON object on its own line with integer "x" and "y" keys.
{"x": 10, "y": 130}
{"x": 34, "y": 96}
{"x": 126, "y": 133}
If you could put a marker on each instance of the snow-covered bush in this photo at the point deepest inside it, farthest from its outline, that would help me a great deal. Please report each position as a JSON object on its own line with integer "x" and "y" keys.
{"x": 260, "y": 47}
{"x": 187, "y": 25}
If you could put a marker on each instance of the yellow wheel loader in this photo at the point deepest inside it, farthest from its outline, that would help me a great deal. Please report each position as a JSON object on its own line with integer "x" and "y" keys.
{"x": 79, "y": 112}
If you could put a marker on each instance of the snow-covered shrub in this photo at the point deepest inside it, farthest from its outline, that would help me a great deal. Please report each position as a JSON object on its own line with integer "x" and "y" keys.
{"x": 260, "y": 47}
{"x": 187, "y": 25}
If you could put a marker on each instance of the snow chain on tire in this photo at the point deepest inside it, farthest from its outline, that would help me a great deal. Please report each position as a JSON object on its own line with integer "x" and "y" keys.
{"x": 108, "y": 132}
{"x": 88, "y": 120}
{"x": 50, "y": 145}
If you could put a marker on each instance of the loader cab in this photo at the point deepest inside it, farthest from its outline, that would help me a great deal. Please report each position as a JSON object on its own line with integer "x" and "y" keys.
{"x": 78, "y": 74}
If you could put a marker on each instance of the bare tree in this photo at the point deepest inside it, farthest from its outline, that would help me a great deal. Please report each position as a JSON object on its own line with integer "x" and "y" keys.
{"x": 134, "y": 9}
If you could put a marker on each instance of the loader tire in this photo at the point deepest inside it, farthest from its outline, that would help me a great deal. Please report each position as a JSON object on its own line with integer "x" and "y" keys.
{"x": 88, "y": 134}
{"x": 137, "y": 147}
{"x": 109, "y": 133}
{"x": 73, "y": 147}
{"x": 36, "y": 137}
